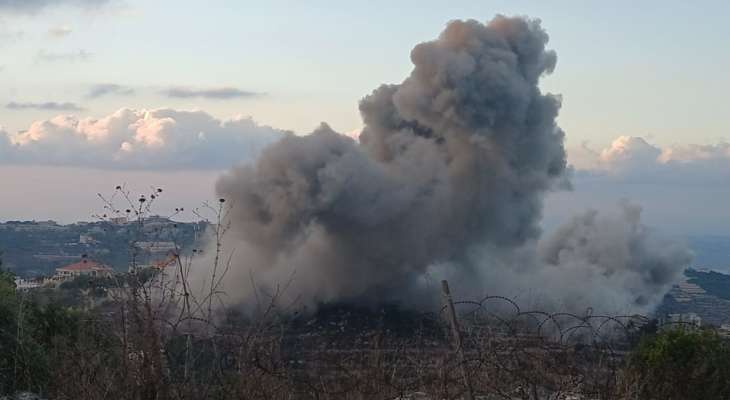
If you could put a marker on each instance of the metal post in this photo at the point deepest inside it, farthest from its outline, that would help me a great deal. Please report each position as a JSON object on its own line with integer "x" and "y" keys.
{"x": 456, "y": 333}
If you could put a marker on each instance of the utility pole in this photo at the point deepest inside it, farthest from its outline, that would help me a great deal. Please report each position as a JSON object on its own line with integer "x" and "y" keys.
{"x": 456, "y": 333}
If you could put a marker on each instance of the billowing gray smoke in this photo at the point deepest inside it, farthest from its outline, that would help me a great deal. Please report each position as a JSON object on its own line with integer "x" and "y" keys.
{"x": 604, "y": 262}
{"x": 613, "y": 259}
{"x": 455, "y": 158}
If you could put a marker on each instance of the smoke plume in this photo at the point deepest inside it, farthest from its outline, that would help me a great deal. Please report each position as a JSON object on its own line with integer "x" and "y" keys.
{"x": 454, "y": 160}
{"x": 612, "y": 260}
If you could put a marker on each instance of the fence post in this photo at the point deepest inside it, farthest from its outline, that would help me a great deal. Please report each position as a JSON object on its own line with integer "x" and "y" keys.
{"x": 456, "y": 333}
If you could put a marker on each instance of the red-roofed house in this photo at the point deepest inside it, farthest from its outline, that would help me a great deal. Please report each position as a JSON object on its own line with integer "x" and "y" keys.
{"x": 84, "y": 267}
{"x": 162, "y": 264}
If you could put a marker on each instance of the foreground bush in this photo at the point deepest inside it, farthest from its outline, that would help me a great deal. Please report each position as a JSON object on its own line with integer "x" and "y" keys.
{"x": 680, "y": 364}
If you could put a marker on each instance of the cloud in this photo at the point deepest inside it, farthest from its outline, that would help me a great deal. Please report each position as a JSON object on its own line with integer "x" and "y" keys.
{"x": 47, "y": 106}
{"x": 629, "y": 149}
{"x": 9, "y": 36}
{"x": 104, "y": 89}
{"x": 225, "y": 93}
{"x": 684, "y": 188}
{"x": 35, "y": 6}
{"x": 695, "y": 153}
{"x": 59, "y": 31}
{"x": 632, "y": 159}
{"x": 138, "y": 139}
{"x": 74, "y": 56}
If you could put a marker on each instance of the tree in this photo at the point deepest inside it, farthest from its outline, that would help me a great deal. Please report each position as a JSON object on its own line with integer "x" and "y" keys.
{"x": 681, "y": 364}
{"x": 8, "y": 327}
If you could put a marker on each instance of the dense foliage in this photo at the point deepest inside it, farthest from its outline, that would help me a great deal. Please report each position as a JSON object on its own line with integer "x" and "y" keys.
{"x": 32, "y": 337}
{"x": 683, "y": 365}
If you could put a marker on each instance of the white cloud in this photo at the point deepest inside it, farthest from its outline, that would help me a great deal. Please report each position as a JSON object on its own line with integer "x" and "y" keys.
{"x": 634, "y": 160}
{"x": 695, "y": 152}
{"x": 138, "y": 139}
{"x": 629, "y": 149}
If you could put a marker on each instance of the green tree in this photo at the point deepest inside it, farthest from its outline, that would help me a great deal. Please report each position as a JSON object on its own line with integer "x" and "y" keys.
{"x": 681, "y": 364}
{"x": 31, "y": 337}
{"x": 8, "y": 328}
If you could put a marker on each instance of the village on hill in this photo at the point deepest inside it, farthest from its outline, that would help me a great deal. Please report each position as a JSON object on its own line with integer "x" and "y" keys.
{"x": 36, "y": 250}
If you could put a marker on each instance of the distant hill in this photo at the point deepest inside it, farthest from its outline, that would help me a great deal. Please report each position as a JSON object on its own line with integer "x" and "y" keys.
{"x": 702, "y": 292}
{"x": 714, "y": 283}
{"x": 34, "y": 248}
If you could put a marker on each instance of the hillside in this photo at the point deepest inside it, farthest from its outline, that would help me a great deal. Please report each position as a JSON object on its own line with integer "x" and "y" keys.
{"x": 31, "y": 248}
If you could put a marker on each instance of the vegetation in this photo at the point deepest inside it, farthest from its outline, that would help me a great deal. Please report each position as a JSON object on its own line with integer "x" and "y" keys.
{"x": 681, "y": 364}
{"x": 31, "y": 336}
{"x": 131, "y": 348}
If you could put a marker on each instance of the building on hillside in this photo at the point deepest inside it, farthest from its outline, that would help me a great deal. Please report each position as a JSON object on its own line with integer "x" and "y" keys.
{"x": 86, "y": 239}
{"x": 85, "y": 267}
{"x": 119, "y": 220}
{"x": 157, "y": 247}
{"x": 724, "y": 331}
{"x": 22, "y": 284}
{"x": 687, "y": 321}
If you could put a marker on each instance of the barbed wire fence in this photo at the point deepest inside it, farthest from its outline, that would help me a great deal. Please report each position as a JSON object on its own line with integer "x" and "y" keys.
{"x": 347, "y": 353}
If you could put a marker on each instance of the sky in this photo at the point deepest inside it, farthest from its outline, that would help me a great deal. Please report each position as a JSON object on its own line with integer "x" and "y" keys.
{"x": 191, "y": 88}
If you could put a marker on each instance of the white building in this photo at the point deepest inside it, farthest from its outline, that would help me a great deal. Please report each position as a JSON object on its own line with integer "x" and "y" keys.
{"x": 84, "y": 267}
{"x": 681, "y": 321}
{"x": 86, "y": 239}
{"x": 157, "y": 247}
{"x": 26, "y": 284}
